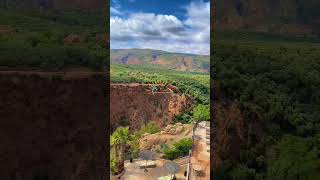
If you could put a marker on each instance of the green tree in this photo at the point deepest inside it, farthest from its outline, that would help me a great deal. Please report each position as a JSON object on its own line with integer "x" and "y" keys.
{"x": 201, "y": 113}
{"x": 180, "y": 148}
{"x": 293, "y": 158}
{"x": 118, "y": 140}
{"x": 242, "y": 172}
{"x": 183, "y": 146}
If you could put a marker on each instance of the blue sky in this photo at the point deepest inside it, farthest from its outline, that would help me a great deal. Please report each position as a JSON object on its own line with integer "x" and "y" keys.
{"x": 171, "y": 25}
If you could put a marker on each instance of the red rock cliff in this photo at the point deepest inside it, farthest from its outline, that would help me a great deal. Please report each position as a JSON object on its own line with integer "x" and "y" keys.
{"x": 135, "y": 105}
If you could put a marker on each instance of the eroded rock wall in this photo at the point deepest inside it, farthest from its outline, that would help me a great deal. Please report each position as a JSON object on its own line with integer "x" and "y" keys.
{"x": 134, "y": 105}
{"x": 52, "y": 126}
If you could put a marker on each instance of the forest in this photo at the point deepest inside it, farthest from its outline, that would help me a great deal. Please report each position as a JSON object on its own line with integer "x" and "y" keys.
{"x": 52, "y": 39}
{"x": 192, "y": 83}
{"x": 275, "y": 83}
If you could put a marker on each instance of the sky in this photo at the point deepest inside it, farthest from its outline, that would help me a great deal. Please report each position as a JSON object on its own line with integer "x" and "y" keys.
{"x": 181, "y": 26}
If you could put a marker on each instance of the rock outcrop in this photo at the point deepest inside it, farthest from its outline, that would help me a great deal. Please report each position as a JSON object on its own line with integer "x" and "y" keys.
{"x": 173, "y": 129}
{"x": 231, "y": 132}
{"x": 169, "y": 134}
{"x": 134, "y": 105}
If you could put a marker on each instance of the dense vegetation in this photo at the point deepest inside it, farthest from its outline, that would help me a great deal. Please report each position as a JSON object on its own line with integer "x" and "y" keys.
{"x": 194, "y": 84}
{"x": 275, "y": 84}
{"x": 36, "y": 39}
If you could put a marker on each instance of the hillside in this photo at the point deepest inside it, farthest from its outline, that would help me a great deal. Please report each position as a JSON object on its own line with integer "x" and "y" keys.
{"x": 294, "y": 17}
{"x": 52, "y": 39}
{"x": 162, "y": 59}
{"x": 266, "y": 113}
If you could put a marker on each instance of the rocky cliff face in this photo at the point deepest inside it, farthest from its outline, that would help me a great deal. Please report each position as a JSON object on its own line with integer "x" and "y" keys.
{"x": 52, "y": 126}
{"x": 135, "y": 105}
{"x": 231, "y": 131}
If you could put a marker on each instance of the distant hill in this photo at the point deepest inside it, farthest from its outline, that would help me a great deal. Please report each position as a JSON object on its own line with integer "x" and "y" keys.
{"x": 292, "y": 17}
{"x": 162, "y": 59}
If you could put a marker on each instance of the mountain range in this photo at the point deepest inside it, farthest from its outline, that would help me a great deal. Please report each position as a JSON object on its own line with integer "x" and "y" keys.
{"x": 162, "y": 59}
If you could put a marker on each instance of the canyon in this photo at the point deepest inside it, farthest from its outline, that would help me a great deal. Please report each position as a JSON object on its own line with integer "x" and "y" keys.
{"x": 135, "y": 105}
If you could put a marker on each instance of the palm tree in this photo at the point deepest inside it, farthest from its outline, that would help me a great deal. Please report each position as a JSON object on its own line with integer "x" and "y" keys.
{"x": 118, "y": 140}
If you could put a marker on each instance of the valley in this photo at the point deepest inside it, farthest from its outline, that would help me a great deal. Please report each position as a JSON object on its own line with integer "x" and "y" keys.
{"x": 154, "y": 109}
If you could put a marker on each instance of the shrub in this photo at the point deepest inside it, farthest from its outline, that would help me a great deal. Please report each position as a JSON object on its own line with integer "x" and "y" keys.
{"x": 201, "y": 113}
{"x": 184, "y": 118}
{"x": 183, "y": 146}
{"x": 150, "y": 128}
{"x": 179, "y": 149}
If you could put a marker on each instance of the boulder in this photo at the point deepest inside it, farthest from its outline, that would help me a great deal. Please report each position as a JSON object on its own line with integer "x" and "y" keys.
{"x": 179, "y": 129}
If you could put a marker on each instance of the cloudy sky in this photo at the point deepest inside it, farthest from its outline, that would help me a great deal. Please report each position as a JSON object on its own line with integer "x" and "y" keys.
{"x": 171, "y": 25}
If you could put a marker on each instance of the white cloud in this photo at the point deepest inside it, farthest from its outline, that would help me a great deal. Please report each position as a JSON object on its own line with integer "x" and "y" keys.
{"x": 198, "y": 15}
{"x": 164, "y": 32}
{"x": 114, "y": 11}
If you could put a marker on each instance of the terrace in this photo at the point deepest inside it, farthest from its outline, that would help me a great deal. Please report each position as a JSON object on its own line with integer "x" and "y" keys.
{"x": 156, "y": 170}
